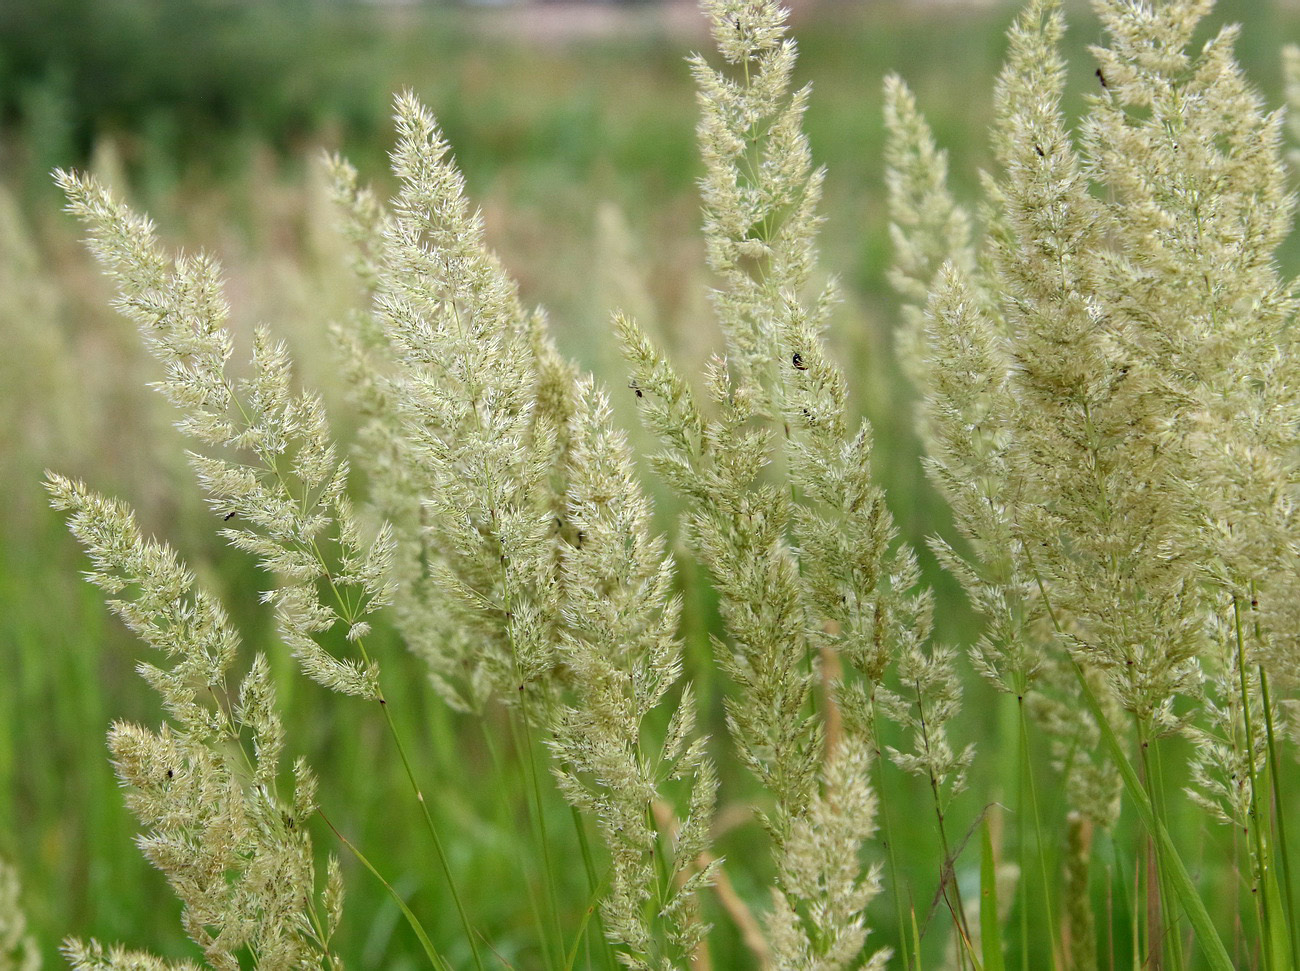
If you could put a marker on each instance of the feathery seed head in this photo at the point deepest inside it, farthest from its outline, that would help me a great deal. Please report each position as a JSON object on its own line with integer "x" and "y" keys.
{"x": 204, "y": 786}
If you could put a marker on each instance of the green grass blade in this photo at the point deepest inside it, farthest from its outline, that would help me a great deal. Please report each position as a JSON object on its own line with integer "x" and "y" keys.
{"x": 436, "y": 959}
{"x": 592, "y": 907}
{"x": 1279, "y": 941}
{"x": 441, "y": 853}
{"x": 1216, "y": 955}
{"x": 1282, "y": 852}
{"x": 990, "y": 928}
{"x": 916, "y": 937}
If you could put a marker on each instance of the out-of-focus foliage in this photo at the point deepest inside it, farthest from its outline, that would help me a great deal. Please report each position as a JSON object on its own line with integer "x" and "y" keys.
{"x": 184, "y": 77}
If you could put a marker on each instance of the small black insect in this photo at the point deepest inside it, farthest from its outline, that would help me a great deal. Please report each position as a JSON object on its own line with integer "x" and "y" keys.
{"x": 1102, "y": 78}
{"x": 636, "y": 387}
{"x": 1041, "y": 153}
{"x": 228, "y": 516}
{"x": 171, "y": 774}
{"x": 797, "y": 361}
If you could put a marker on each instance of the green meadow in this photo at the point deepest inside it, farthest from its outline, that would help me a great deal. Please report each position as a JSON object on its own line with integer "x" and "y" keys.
{"x": 214, "y": 119}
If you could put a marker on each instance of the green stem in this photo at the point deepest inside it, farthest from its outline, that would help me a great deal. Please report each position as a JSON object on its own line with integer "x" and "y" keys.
{"x": 538, "y": 813}
{"x": 1259, "y": 847}
{"x": 436, "y": 959}
{"x": 1021, "y": 832}
{"x": 437, "y": 840}
{"x": 949, "y": 869}
{"x": 1279, "y": 817}
{"x": 1027, "y": 768}
{"x": 896, "y": 888}
{"x": 1216, "y": 955}
{"x": 595, "y": 887}
{"x": 526, "y": 863}
{"x": 1157, "y": 782}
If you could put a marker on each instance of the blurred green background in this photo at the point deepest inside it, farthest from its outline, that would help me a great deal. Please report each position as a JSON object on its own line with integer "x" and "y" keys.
{"x": 579, "y": 146}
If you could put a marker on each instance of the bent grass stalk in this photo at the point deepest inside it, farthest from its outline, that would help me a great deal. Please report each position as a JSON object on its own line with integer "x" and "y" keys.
{"x": 527, "y": 868}
{"x": 441, "y": 853}
{"x": 435, "y": 958}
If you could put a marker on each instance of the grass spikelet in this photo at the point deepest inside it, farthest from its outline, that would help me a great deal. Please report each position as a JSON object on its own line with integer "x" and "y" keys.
{"x": 805, "y": 568}
{"x": 621, "y": 648}
{"x": 469, "y": 475}
{"x": 1120, "y": 402}
{"x": 204, "y": 785}
{"x": 1104, "y": 349}
{"x": 927, "y": 226}
{"x": 291, "y": 505}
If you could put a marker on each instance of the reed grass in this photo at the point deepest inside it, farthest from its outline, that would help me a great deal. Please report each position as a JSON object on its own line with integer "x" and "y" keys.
{"x": 1103, "y": 353}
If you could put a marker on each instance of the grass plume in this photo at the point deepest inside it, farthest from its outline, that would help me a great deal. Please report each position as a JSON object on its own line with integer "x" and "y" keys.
{"x": 1103, "y": 348}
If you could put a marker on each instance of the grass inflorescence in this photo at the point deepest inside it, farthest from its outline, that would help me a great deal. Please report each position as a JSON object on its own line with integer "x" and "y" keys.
{"x": 1102, "y": 350}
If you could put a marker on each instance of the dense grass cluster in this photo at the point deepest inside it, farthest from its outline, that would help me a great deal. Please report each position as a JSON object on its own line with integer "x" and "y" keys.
{"x": 745, "y": 745}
